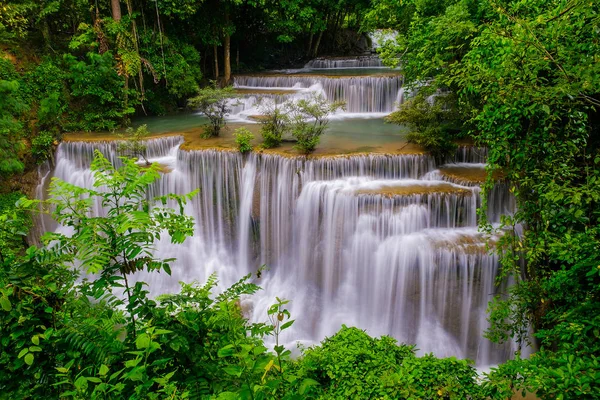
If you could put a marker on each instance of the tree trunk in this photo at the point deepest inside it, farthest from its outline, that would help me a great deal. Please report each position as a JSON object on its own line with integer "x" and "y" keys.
{"x": 318, "y": 43}
{"x": 310, "y": 38}
{"x": 216, "y": 55}
{"x": 227, "y": 50}
{"x": 116, "y": 9}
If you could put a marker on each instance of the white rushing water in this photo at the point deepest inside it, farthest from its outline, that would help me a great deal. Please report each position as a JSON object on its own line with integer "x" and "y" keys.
{"x": 385, "y": 243}
{"x": 342, "y": 63}
{"x": 362, "y": 94}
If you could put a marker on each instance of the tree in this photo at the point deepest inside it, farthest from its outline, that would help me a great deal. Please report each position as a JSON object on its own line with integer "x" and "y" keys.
{"x": 116, "y": 9}
{"x": 215, "y": 103}
{"x": 309, "y": 119}
{"x": 134, "y": 142}
{"x": 275, "y": 123}
{"x": 528, "y": 89}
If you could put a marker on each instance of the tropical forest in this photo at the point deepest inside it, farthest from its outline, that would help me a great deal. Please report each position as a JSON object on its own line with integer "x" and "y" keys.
{"x": 300, "y": 199}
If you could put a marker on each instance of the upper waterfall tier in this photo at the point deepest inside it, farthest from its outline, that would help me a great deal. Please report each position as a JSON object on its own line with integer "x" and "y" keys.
{"x": 337, "y": 63}
{"x": 376, "y": 241}
{"x": 364, "y": 94}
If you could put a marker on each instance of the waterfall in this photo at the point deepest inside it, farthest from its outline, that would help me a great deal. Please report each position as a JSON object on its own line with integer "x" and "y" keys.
{"x": 362, "y": 94}
{"x": 340, "y": 63}
{"x": 387, "y": 243}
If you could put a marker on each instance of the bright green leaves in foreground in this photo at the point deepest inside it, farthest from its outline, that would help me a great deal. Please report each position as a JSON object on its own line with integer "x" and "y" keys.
{"x": 122, "y": 241}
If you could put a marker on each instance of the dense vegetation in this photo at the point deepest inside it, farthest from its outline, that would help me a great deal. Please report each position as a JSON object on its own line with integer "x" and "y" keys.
{"x": 519, "y": 77}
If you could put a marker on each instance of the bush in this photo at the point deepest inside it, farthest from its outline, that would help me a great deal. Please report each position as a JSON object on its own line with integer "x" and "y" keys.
{"x": 433, "y": 123}
{"x": 215, "y": 104}
{"x": 275, "y": 124}
{"x": 11, "y": 128}
{"x": 41, "y": 146}
{"x": 243, "y": 137}
{"x": 100, "y": 101}
{"x": 309, "y": 120}
{"x": 351, "y": 364}
{"x": 134, "y": 142}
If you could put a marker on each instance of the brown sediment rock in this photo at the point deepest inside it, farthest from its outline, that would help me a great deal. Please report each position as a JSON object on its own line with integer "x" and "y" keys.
{"x": 468, "y": 175}
{"x": 275, "y": 91}
{"x": 416, "y": 189}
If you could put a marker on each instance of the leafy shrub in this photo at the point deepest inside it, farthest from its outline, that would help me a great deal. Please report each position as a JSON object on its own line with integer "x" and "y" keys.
{"x": 100, "y": 100}
{"x": 351, "y": 364}
{"x": 215, "y": 103}
{"x": 11, "y": 128}
{"x": 42, "y": 146}
{"x": 309, "y": 120}
{"x": 133, "y": 142}
{"x": 243, "y": 137}
{"x": 275, "y": 124}
{"x": 14, "y": 226}
{"x": 433, "y": 122}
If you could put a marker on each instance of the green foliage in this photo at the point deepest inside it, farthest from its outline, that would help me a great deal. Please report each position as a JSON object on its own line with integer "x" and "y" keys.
{"x": 527, "y": 85}
{"x": 42, "y": 146}
{"x": 215, "y": 103}
{"x": 121, "y": 242}
{"x": 351, "y": 364}
{"x": 133, "y": 142}
{"x": 11, "y": 129}
{"x": 101, "y": 103}
{"x": 309, "y": 119}
{"x": 433, "y": 122}
{"x": 14, "y": 226}
{"x": 275, "y": 124}
{"x": 243, "y": 139}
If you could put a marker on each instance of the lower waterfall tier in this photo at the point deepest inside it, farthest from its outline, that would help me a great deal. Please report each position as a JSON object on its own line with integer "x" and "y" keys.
{"x": 385, "y": 243}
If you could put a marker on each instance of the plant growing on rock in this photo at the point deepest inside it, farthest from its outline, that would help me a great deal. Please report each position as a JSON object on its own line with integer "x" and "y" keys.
{"x": 215, "y": 103}
{"x": 433, "y": 122}
{"x": 243, "y": 137}
{"x": 134, "y": 142}
{"x": 275, "y": 123}
{"x": 310, "y": 118}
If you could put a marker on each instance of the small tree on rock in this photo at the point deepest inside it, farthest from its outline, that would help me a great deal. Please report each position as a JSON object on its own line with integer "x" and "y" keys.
{"x": 134, "y": 143}
{"x": 275, "y": 123}
{"x": 215, "y": 103}
{"x": 310, "y": 118}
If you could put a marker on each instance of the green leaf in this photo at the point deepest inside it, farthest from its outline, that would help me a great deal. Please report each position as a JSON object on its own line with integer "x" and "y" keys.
{"x": 103, "y": 370}
{"x": 287, "y": 325}
{"x": 5, "y": 303}
{"x": 142, "y": 341}
{"x": 29, "y": 359}
{"x": 226, "y": 351}
{"x": 233, "y": 370}
{"x": 23, "y": 352}
{"x": 307, "y": 383}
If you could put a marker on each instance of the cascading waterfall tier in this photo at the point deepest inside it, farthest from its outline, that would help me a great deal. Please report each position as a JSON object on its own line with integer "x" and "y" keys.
{"x": 362, "y": 94}
{"x": 340, "y": 63}
{"x": 376, "y": 241}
